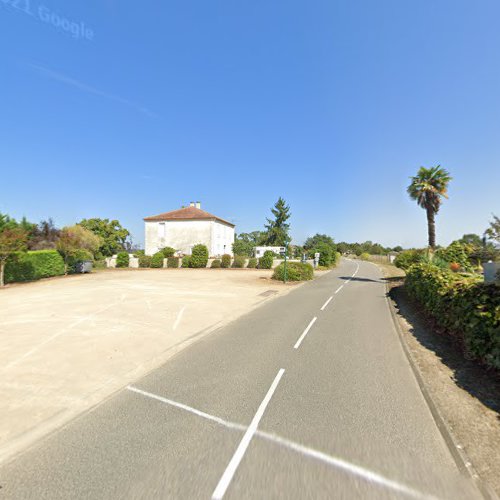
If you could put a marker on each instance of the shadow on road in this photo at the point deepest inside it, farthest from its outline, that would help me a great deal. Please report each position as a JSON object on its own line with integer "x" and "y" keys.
{"x": 477, "y": 380}
{"x": 355, "y": 278}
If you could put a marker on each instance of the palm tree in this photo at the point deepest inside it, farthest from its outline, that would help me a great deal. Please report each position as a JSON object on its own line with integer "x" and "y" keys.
{"x": 427, "y": 188}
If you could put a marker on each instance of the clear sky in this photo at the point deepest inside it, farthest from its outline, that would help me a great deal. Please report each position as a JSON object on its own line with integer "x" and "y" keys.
{"x": 140, "y": 107}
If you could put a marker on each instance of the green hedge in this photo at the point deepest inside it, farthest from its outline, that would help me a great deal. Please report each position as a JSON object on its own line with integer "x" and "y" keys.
{"x": 199, "y": 256}
{"x": 295, "y": 271}
{"x": 173, "y": 262}
{"x": 252, "y": 263}
{"x": 407, "y": 258}
{"x": 266, "y": 261}
{"x": 215, "y": 264}
{"x": 464, "y": 307}
{"x": 145, "y": 260}
{"x": 157, "y": 260}
{"x": 226, "y": 261}
{"x": 122, "y": 259}
{"x": 239, "y": 261}
{"x": 168, "y": 252}
{"x": 33, "y": 265}
{"x": 186, "y": 260}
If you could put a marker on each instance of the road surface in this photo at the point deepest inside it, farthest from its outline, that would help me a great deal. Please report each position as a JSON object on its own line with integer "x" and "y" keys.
{"x": 308, "y": 396}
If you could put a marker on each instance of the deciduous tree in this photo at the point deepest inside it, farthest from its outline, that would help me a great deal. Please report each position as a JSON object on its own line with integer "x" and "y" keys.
{"x": 113, "y": 235}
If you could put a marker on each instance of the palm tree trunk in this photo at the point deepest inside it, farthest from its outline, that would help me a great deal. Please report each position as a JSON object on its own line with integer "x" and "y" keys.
{"x": 431, "y": 227}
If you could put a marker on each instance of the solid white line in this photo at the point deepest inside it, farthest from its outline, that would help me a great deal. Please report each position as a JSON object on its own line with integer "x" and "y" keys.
{"x": 301, "y": 338}
{"x": 353, "y": 469}
{"x": 218, "y": 420}
{"x": 226, "y": 478}
{"x": 179, "y": 317}
{"x": 339, "y": 288}
{"x": 335, "y": 462}
{"x": 326, "y": 303}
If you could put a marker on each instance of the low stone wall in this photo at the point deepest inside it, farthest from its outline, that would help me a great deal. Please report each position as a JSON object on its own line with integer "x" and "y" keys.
{"x": 133, "y": 261}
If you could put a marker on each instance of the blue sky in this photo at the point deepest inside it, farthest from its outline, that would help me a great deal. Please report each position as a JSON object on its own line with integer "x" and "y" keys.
{"x": 331, "y": 104}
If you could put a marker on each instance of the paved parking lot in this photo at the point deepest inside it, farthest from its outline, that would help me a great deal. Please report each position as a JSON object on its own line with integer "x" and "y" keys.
{"x": 67, "y": 343}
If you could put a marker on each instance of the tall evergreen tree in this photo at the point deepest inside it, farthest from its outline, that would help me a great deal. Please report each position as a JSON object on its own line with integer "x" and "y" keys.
{"x": 277, "y": 228}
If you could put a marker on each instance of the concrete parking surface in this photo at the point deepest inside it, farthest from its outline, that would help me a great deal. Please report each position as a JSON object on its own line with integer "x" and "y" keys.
{"x": 67, "y": 343}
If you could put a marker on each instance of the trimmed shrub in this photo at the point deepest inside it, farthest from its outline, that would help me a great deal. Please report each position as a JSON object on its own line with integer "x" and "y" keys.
{"x": 122, "y": 259}
{"x": 157, "y": 260}
{"x": 252, "y": 263}
{"x": 266, "y": 261}
{"x": 225, "y": 261}
{"x": 239, "y": 261}
{"x": 185, "y": 261}
{"x": 464, "y": 307}
{"x": 145, "y": 260}
{"x": 199, "y": 256}
{"x": 29, "y": 266}
{"x": 173, "y": 262}
{"x": 216, "y": 264}
{"x": 295, "y": 271}
{"x": 167, "y": 252}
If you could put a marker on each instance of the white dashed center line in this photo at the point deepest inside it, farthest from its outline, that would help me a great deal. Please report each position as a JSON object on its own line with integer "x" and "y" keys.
{"x": 301, "y": 338}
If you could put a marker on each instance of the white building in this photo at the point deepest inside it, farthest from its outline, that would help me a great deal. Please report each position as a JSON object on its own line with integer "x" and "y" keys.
{"x": 259, "y": 251}
{"x": 182, "y": 229}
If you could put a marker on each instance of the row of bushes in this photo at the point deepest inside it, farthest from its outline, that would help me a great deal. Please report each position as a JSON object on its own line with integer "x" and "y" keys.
{"x": 197, "y": 259}
{"x": 29, "y": 266}
{"x": 463, "y": 306}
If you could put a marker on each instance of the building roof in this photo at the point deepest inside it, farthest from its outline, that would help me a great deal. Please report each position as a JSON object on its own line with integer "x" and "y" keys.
{"x": 187, "y": 213}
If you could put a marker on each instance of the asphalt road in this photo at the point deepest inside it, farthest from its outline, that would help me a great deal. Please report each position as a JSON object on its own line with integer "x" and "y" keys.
{"x": 277, "y": 404}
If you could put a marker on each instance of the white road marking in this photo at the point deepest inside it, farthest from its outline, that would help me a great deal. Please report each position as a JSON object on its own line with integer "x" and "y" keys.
{"x": 339, "y": 288}
{"x": 335, "y": 462}
{"x": 226, "y": 478}
{"x": 339, "y": 463}
{"x": 306, "y": 331}
{"x": 356, "y": 272}
{"x": 326, "y": 303}
{"x": 190, "y": 409}
{"x": 179, "y": 317}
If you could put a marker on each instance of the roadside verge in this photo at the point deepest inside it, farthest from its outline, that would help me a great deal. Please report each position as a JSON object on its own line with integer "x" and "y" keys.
{"x": 466, "y": 423}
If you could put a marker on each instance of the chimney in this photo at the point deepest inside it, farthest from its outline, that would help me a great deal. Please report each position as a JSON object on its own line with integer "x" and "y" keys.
{"x": 191, "y": 203}
{"x": 198, "y": 205}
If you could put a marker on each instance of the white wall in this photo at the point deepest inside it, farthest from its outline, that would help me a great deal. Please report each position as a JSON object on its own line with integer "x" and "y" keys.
{"x": 184, "y": 234}
{"x": 222, "y": 239}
